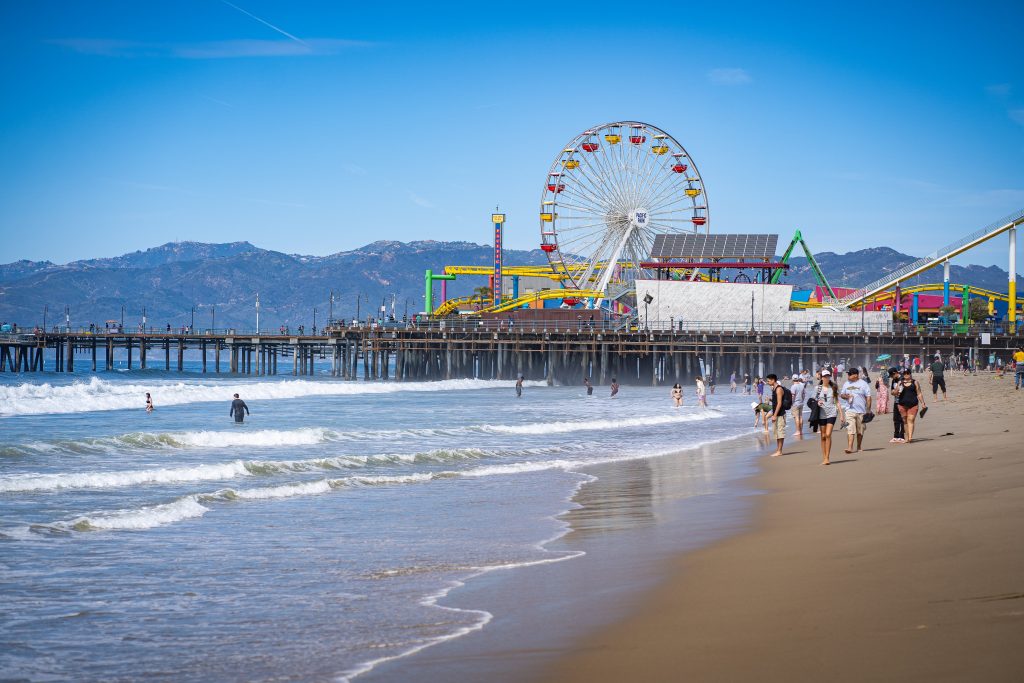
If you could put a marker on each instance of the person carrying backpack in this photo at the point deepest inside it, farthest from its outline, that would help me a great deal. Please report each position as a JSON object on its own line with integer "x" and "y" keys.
{"x": 782, "y": 401}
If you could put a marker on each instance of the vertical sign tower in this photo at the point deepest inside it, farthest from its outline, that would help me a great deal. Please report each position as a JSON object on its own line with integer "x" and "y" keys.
{"x": 499, "y": 220}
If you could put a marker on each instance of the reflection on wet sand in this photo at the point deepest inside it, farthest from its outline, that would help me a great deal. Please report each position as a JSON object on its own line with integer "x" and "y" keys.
{"x": 633, "y": 494}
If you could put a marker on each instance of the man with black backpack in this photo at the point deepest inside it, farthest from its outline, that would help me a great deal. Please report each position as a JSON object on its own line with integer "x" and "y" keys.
{"x": 782, "y": 401}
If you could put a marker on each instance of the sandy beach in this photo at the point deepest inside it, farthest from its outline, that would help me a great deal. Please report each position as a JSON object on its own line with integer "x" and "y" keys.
{"x": 900, "y": 562}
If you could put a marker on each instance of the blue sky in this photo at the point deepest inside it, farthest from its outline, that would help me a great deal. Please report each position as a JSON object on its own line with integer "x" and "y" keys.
{"x": 316, "y": 127}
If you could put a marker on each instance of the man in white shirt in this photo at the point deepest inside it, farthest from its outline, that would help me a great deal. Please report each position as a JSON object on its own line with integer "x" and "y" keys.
{"x": 799, "y": 391}
{"x": 856, "y": 396}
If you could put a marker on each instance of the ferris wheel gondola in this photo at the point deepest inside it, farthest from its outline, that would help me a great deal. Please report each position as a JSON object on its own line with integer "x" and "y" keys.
{"x": 606, "y": 196}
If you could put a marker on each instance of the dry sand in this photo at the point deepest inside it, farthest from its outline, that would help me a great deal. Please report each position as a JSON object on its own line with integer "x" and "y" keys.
{"x": 898, "y": 563}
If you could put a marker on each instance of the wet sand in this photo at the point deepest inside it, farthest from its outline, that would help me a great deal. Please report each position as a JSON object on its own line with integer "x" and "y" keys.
{"x": 901, "y": 562}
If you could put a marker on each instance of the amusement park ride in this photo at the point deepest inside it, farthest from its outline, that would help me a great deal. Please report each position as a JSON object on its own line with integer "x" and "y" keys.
{"x": 616, "y": 189}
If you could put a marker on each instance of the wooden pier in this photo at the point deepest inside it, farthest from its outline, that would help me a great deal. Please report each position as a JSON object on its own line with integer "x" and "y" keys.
{"x": 559, "y": 355}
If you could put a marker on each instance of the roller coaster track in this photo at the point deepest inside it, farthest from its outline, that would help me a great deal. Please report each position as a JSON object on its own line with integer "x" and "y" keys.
{"x": 544, "y": 295}
{"x": 933, "y": 259}
{"x": 954, "y": 289}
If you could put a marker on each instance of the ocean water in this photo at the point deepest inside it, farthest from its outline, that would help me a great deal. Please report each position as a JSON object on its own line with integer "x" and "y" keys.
{"x": 313, "y": 542}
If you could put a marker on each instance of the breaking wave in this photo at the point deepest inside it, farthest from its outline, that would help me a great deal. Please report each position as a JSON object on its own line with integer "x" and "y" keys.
{"x": 97, "y": 394}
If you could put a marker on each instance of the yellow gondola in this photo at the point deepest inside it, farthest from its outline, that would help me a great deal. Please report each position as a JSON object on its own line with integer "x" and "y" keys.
{"x": 571, "y": 164}
{"x": 659, "y": 149}
{"x": 692, "y": 191}
{"x": 613, "y": 137}
{"x": 547, "y": 217}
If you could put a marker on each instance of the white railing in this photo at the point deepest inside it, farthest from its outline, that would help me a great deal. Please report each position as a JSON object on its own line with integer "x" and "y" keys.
{"x": 935, "y": 257}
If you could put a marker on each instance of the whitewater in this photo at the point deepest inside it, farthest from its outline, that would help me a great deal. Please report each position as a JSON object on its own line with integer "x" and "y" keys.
{"x": 343, "y": 514}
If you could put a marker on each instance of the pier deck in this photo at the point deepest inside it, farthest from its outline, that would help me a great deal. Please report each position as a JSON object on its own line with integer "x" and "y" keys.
{"x": 562, "y": 353}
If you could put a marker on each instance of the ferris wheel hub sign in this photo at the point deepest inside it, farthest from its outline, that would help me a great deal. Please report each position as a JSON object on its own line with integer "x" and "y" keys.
{"x": 639, "y": 218}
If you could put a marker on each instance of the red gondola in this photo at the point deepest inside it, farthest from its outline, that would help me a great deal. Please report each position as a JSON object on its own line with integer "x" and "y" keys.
{"x": 679, "y": 168}
{"x": 547, "y": 248}
{"x": 636, "y": 136}
{"x": 556, "y": 187}
{"x": 699, "y": 220}
{"x": 589, "y": 146}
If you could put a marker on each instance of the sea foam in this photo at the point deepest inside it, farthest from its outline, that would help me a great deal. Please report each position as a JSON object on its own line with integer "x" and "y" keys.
{"x": 97, "y": 394}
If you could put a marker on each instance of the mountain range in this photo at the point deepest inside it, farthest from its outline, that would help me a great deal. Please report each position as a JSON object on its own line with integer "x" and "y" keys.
{"x": 215, "y": 285}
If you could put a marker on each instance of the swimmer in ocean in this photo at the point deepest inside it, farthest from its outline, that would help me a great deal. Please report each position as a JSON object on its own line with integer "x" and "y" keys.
{"x": 149, "y": 403}
{"x": 615, "y": 387}
{"x": 589, "y": 386}
{"x": 238, "y": 409}
{"x": 519, "y": 387}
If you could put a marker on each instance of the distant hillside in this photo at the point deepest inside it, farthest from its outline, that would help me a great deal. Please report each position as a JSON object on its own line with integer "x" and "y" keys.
{"x": 859, "y": 268}
{"x": 168, "y": 280}
{"x": 224, "y": 278}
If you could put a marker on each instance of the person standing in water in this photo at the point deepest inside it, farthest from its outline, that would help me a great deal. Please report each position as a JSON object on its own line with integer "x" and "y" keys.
{"x": 238, "y": 409}
{"x": 615, "y": 387}
{"x": 732, "y": 383}
{"x": 519, "y": 387}
{"x": 677, "y": 394}
{"x": 149, "y": 403}
{"x": 702, "y": 399}
{"x": 589, "y": 386}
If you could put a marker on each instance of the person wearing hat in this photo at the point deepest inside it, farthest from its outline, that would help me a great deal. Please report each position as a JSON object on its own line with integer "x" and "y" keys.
{"x": 798, "y": 389}
{"x": 856, "y": 395}
{"x": 827, "y": 396}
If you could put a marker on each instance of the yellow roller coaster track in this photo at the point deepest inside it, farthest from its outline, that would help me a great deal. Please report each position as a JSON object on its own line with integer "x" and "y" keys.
{"x": 954, "y": 290}
{"x": 452, "y": 305}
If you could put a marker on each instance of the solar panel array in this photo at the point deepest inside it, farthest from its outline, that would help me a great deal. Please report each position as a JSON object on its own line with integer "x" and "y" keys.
{"x": 705, "y": 247}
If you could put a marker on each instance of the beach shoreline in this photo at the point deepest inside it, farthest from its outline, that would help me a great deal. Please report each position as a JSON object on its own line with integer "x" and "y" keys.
{"x": 901, "y": 562}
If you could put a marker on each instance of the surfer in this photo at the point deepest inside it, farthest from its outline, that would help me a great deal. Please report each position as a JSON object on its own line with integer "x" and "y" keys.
{"x": 615, "y": 387}
{"x": 238, "y": 409}
{"x": 149, "y": 403}
{"x": 519, "y": 387}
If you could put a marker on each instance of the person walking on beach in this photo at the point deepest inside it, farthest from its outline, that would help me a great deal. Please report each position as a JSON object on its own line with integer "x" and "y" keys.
{"x": 677, "y": 395}
{"x": 911, "y": 403}
{"x": 895, "y": 387}
{"x": 732, "y": 383}
{"x": 856, "y": 395}
{"x": 702, "y": 399}
{"x": 827, "y": 396}
{"x": 615, "y": 387}
{"x": 937, "y": 378}
{"x": 589, "y": 386}
{"x": 149, "y": 403}
{"x": 799, "y": 391}
{"x": 238, "y": 409}
{"x": 1018, "y": 373}
{"x": 882, "y": 394}
{"x": 519, "y": 387}
{"x": 782, "y": 400}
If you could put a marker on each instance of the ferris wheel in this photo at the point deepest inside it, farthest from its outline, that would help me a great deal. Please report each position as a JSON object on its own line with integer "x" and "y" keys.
{"x": 608, "y": 193}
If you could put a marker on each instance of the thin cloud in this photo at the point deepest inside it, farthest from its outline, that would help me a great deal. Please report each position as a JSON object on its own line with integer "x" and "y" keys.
{"x": 729, "y": 76}
{"x": 205, "y": 195}
{"x": 420, "y": 201}
{"x": 355, "y": 169}
{"x": 999, "y": 89}
{"x": 264, "y": 22}
{"x": 220, "y": 49}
